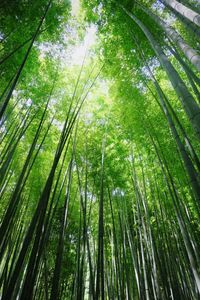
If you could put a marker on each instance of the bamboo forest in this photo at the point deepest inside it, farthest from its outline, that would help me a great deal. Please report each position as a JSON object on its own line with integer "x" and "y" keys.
{"x": 99, "y": 149}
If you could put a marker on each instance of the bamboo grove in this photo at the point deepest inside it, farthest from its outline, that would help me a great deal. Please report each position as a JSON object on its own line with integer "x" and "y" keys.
{"x": 99, "y": 154}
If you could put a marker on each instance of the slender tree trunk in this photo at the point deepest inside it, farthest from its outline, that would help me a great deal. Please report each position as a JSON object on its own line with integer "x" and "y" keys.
{"x": 100, "y": 262}
{"x": 189, "y": 104}
{"x": 15, "y": 81}
{"x": 184, "y": 11}
{"x": 189, "y": 52}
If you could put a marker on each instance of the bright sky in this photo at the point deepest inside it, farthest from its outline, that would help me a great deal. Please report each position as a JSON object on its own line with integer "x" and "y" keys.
{"x": 80, "y": 50}
{"x": 74, "y": 54}
{"x": 75, "y": 7}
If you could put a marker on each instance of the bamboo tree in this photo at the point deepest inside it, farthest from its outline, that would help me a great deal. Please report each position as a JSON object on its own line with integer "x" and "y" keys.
{"x": 100, "y": 261}
{"x": 183, "y": 10}
{"x": 19, "y": 71}
{"x": 65, "y": 168}
{"x": 189, "y": 52}
{"x": 190, "y": 106}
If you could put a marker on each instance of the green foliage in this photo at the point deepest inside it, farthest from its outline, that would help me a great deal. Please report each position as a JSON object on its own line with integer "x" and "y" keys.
{"x": 95, "y": 186}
